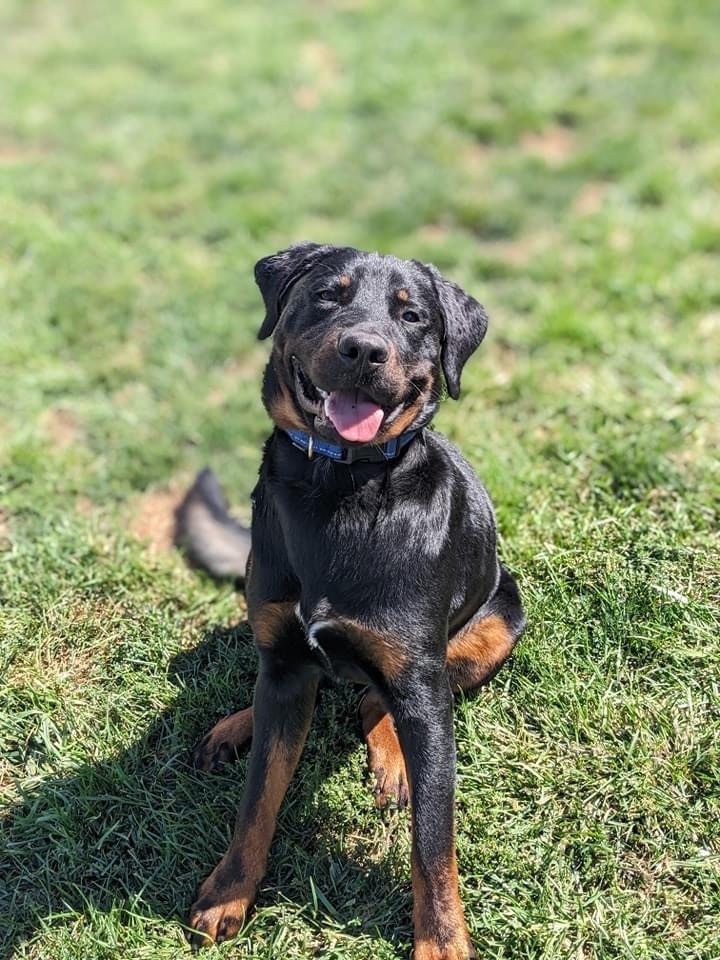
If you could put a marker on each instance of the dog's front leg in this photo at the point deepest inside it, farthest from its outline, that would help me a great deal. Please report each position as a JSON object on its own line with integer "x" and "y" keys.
{"x": 282, "y": 710}
{"x": 422, "y": 705}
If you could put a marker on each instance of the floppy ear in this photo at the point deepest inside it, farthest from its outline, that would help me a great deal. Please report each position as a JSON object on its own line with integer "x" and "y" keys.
{"x": 276, "y": 275}
{"x": 464, "y": 322}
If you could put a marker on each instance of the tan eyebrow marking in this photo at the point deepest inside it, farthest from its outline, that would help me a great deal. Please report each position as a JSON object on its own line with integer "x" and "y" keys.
{"x": 402, "y": 294}
{"x": 345, "y": 280}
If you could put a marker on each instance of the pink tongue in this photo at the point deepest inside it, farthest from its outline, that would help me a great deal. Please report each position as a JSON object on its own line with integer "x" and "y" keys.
{"x": 354, "y": 416}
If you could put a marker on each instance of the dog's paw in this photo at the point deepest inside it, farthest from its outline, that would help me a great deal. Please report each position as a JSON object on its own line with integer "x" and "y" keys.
{"x": 391, "y": 786}
{"x": 210, "y": 755}
{"x": 218, "y": 913}
{"x": 215, "y": 924}
{"x": 221, "y": 744}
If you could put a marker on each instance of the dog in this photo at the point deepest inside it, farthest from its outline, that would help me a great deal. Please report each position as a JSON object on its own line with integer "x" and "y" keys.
{"x": 372, "y": 557}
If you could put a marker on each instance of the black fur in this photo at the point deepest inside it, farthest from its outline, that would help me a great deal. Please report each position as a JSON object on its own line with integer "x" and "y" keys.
{"x": 465, "y": 325}
{"x": 385, "y": 563}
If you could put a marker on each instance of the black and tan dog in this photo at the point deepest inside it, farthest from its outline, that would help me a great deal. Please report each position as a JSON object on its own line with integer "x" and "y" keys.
{"x": 373, "y": 558}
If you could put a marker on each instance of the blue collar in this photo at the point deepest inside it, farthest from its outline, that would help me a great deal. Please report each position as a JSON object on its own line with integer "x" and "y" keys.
{"x": 368, "y": 453}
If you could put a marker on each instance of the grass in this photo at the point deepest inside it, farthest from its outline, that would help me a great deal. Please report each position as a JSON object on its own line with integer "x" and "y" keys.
{"x": 561, "y": 162}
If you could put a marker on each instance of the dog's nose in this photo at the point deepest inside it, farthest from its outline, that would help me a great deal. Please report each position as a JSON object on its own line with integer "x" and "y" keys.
{"x": 363, "y": 349}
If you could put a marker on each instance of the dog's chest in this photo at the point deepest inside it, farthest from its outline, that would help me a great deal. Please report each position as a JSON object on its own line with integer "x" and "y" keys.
{"x": 332, "y": 536}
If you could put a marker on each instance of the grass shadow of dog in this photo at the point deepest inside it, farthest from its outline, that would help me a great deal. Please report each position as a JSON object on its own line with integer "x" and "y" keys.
{"x": 138, "y": 831}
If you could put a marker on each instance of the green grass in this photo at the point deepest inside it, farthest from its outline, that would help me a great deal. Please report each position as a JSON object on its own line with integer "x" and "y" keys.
{"x": 559, "y": 160}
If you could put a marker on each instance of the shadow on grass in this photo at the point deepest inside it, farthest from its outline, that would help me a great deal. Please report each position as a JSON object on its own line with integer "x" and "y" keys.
{"x": 137, "y": 832}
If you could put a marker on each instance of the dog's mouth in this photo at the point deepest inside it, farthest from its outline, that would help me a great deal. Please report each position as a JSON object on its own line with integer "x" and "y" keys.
{"x": 353, "y": 413}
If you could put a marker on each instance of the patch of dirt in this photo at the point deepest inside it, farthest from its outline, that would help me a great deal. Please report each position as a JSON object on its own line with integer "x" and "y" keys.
{"x": 590, "y": 199}
{"x": 320, "y": 69}
{"x": 709, "y": 326}
{"x": 84, "y": 505}
{"x": 475, "y": 156}
{"x": 15, "y": 154}
{"x": 519, "y": 252}
{"x": 153, "y": 517}
{"x": 621, "y": 239}
{"x": 554, "y": 145}
{"x": 320, "y": 58}
{"x": 434, "y": 232}
{"x": 62, "y": 427}
{"x": 306, "y": 98}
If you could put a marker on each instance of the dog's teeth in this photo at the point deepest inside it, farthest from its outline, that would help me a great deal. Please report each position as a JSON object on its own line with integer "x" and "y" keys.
{"x": 326, "y": 404}
{"x": 323, "y": 393}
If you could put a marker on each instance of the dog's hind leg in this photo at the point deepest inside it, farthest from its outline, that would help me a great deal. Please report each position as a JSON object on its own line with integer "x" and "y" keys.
{"x": 478, "y": 650}
{"x": 222, "y": 743}
{"x": 385, "y": 758}
{"x": 475, "y": 654}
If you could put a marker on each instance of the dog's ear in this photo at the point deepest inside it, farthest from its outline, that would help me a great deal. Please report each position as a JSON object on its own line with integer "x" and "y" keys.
{"x": 464, "y": 326}
{"x": 275, "y": 275}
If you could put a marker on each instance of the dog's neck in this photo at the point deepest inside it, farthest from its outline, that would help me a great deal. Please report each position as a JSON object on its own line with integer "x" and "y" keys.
{"x": 363, "y": 453}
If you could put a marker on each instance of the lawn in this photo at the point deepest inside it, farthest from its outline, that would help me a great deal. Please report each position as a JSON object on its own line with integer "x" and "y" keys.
{"x": 562, "y": 162}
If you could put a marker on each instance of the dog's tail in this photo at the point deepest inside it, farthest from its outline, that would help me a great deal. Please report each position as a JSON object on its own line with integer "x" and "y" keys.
{"x": 210, "y": 537}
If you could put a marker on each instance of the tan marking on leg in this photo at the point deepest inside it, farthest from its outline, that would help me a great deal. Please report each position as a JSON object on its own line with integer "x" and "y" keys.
{"x": 221, "y": 743}
{"x": 383, "y": 650}
{"x": 461, "y": 949}
{"x": 269, "y": 619}
{"x": 227, "y": 895}
{"x": 385, "y": 757}
{"x": 231, "y": 888}
{"x": 477, "y": 651}
{"x": 253, "y": 845}
{"x": 438, "y": 916}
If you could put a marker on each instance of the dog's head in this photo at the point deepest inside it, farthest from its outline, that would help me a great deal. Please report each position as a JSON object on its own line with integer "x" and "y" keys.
{"x": 361, "y": 341}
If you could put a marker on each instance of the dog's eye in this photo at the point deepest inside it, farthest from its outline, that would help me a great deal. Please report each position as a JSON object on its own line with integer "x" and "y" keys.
{"x": 410, "y": 316}
{"x": 327, "y": 295}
